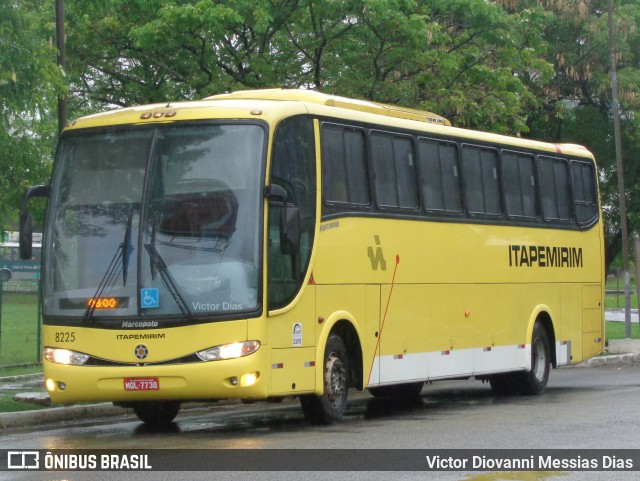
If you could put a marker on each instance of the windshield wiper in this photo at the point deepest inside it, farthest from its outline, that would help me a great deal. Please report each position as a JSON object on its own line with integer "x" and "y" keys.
{"x": 123, "y": 252}
{"x": 127, "y": 249}
{"x": 108, "y": 280}
{"x": 167, "y": 279}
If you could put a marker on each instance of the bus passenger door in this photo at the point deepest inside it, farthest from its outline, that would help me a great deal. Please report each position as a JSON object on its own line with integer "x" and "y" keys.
{"x": 291, "y": 226}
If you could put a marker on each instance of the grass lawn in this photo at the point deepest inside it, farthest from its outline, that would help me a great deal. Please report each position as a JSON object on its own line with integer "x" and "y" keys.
{"x": 616, "y": 330}
{"x": 9, "y": 405}
{"x": 616, "y": 300}
{"x": 19, "y": 328}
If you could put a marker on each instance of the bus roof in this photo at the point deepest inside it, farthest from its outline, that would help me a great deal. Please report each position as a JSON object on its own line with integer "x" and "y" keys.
{"x": 262, "y": 104}
{"x": 313, "y": 97}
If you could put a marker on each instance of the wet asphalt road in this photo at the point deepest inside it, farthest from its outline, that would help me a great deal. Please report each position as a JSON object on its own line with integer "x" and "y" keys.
{"x": 583, "y": 408}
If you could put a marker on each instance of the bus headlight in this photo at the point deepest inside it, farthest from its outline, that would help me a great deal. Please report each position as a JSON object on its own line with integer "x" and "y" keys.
{"x": 229, "y": 351}
{"x": 64, "y": 356}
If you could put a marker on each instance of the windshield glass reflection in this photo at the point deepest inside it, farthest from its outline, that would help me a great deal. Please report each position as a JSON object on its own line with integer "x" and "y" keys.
{"x": 198, "y": 251}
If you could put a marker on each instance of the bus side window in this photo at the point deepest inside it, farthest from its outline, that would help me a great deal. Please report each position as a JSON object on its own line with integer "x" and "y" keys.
{"x": 554, "y": 189}
{"x": 481, "y": 180}
{"x": 394, "y": 170}
{"x": 521, "y": 196}
{"x": 439, "y": 176}
{"x": 584, "y": 191}
{"x": 344, "y": 175}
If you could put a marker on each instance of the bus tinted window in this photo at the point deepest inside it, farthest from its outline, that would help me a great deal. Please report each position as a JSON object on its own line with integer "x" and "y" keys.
{"x": 518, "y": 173}
{"x": 584, "y": 191}
{"x": 481, "y": 180}
{"x": 554, "y": 189}
{"x": 439, "y": 178}
{"x": 344, "y": 165}
{"x": 394, "y": 169}
{"x": 293, "y": 168}
{"x": 455, "y": 179}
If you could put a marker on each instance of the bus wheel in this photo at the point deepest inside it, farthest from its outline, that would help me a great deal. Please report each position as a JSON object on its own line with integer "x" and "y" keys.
{"x": 535, "y": 381}
{"x": 330, "y": 406}
{"x": 156, "y": 413}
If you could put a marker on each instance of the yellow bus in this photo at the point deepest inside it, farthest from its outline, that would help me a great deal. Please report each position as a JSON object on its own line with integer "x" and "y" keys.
{"x": 276, "y": 243}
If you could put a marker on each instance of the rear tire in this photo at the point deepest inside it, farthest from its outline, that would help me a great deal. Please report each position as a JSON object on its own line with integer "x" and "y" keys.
{"x": 331, "y": 405}
{"x": 156, "y": 413}
{"x": 533, "y": 382}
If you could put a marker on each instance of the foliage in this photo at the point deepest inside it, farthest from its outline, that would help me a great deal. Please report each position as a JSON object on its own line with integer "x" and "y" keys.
{"x": 29, "y": 84}
{"x": 466, "y": 59}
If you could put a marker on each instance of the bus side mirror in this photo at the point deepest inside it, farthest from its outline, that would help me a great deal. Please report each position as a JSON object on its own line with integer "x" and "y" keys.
{"x": 289, "y": 220}
{"x": 5, "y": 275}
{"x": 26, "y": 220}
{"x": 26, "y": 236}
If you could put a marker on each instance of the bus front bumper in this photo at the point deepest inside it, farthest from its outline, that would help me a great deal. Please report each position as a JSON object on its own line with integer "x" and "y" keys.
{"x": 241, "y": 378}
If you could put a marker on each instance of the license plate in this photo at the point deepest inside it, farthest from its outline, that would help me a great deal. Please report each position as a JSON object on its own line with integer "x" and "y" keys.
{"x": 141, "y": 384}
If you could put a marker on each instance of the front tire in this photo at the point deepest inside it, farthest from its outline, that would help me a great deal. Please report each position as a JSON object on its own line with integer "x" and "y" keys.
{"x": 331, "y": 405}
{"x": 156, "y": 413}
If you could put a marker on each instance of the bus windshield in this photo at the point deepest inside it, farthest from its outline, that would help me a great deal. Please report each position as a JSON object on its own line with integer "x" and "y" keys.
{"x": 155, "y": 223}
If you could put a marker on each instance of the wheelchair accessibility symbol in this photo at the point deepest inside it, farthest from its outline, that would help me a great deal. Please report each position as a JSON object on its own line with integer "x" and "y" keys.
{"x": 149, "y": 298}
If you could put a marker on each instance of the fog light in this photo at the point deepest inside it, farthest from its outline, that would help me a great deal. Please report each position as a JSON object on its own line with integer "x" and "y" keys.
{"x": 50, "y": 384}
{"x": 62, "y": 386}
{"x": 250, "y": 379}
{"x": 233, "y": 381}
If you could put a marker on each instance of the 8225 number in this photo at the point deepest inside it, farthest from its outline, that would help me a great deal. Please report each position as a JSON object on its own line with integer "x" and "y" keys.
{"x": 65, "y": 336}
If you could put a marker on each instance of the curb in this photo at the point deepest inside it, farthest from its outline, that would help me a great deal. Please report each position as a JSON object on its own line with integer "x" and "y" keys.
{"x": 51, "y": 415}
{"x": 618, "y": 359}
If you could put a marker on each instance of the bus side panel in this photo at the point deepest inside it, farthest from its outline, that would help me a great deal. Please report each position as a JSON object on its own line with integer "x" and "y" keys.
{"x": 292, "y": 338}
{"x": 419, "y": 338}
{"x": 292, "y": 370}
{"x": 592, "y": 321}
{"x": 454, "y": 330}
{"x": 495, "y": 325}
{"x": 569, "y": 327}
{"x": 300, "y": 318}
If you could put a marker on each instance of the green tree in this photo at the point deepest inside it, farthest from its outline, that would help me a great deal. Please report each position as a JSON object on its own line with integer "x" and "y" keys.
{"x": 29, "y": 84}
{"x": 127, "y": 52}
{"x": 466, "y": 59}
